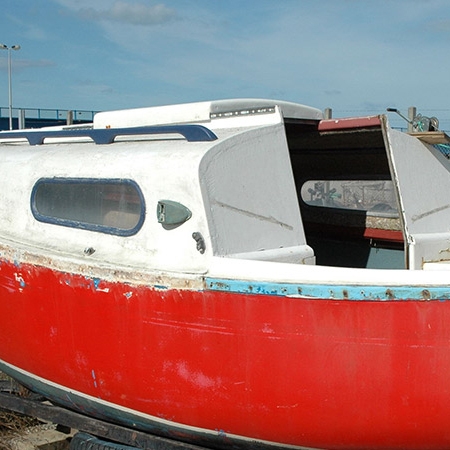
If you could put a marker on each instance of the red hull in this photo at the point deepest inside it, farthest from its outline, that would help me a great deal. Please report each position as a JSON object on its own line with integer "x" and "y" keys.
{"x": 318, "y": 373}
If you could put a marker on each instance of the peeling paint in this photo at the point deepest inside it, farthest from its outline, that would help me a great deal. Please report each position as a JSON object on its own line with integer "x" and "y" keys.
{"x": 103, "y": 290}
{"x": 196, "y": 377}
{"x": 267, "y": 329}
{"x": 221, "y": 433}
{"x": 73, "y": 268}
{"x": 96, "y": 283}
{"x": 94, "y": 378}
{"x": 333, "y": 292}
{"x": 20, "y": 280}
{"x": 219, "y": 285}
{"x": 161, "y": 287}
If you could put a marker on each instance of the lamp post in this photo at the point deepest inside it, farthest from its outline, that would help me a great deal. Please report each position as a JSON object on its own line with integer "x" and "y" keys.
{"x": 13, "y": 47}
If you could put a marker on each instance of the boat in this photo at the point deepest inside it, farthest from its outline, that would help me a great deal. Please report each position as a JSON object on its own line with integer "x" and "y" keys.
{"x": 232, "y": 274}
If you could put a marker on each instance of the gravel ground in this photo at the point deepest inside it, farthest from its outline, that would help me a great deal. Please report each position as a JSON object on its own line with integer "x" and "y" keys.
{"x": 13, "y": 425}
{"x": 44, "y": 436}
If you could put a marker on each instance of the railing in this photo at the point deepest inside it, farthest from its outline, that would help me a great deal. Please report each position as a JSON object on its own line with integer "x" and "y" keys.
{"x": 48, "y": 114}
{"x": 192, "y": 133}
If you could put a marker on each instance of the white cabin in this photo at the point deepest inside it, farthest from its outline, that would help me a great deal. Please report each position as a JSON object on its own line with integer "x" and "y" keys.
{"x": 168, "y": 188}
{"x": 71, "y": 196}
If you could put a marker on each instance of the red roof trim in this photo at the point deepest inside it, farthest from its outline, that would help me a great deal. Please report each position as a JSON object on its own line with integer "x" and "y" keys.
{"x": 350, "y": 122}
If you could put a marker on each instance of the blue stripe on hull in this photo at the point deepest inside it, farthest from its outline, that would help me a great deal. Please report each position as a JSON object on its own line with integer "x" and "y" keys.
{"x": 330, "y": 291}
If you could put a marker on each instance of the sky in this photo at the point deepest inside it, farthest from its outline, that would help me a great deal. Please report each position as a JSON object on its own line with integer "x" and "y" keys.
{"x": 357, "y": 57}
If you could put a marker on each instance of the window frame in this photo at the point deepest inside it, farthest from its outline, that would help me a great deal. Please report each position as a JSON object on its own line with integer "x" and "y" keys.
{"x": 84, "y": 225}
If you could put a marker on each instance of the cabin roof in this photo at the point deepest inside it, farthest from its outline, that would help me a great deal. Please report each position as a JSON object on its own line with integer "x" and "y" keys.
{"x": 196, "y": 122}
{"x": 205, "y": 112}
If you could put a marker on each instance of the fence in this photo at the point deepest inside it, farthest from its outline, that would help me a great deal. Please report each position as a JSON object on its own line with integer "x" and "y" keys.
{"x": 39, "y": 117}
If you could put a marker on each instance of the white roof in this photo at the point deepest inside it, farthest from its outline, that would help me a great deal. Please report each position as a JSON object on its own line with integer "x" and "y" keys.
{"x": 203, "y": 112}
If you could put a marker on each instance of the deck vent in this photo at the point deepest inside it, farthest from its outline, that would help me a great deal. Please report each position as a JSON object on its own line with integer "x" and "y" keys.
{"x": 172, "y": 214}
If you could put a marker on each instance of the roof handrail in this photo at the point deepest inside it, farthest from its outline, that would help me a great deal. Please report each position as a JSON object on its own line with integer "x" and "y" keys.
{"x": 192, "y": 133}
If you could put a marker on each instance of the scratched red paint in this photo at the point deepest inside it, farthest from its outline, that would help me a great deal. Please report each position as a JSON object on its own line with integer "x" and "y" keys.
{"x": 327, "y": 374}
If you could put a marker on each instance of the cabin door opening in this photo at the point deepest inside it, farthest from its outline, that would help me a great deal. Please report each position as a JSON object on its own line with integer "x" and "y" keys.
{"x": 347, "y": 199}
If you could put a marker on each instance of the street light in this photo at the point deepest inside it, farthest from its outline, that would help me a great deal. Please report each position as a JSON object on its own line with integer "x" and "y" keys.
{"x": 13, "y": 47}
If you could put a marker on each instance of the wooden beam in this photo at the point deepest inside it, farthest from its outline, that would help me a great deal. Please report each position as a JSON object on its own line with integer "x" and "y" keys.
{"x": 432, "y": 137}
{"x": 102, "y": 429}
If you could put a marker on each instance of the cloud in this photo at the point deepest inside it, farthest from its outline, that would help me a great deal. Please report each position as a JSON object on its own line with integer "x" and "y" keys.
{"x": 28, "y": 30}
{"x": 131, "y": 13}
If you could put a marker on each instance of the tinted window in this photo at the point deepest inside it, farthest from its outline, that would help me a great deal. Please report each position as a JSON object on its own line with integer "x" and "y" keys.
{"x": 108, "y": 206}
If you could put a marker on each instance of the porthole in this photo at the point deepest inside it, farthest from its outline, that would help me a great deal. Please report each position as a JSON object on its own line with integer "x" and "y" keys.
{"x": 112, "y": 206}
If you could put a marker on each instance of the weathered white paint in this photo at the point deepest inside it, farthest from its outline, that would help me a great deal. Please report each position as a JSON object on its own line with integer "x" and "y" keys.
{"x": 241, "y": 193}
{"x": 259, "y": 214}
{"x": 153, "y": 165}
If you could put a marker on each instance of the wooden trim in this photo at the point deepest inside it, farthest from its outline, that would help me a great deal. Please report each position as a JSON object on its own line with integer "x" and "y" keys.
{"x": 432, "y": 137}
{"x": 348, "y": 123}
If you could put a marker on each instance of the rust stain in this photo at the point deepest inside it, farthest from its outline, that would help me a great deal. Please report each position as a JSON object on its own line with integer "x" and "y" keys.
{"x": 221, "y": 286}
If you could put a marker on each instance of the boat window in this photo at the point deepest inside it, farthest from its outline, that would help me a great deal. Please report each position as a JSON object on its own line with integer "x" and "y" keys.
{"x": 108, "y": 206}
{"x": 376, "y": 197}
